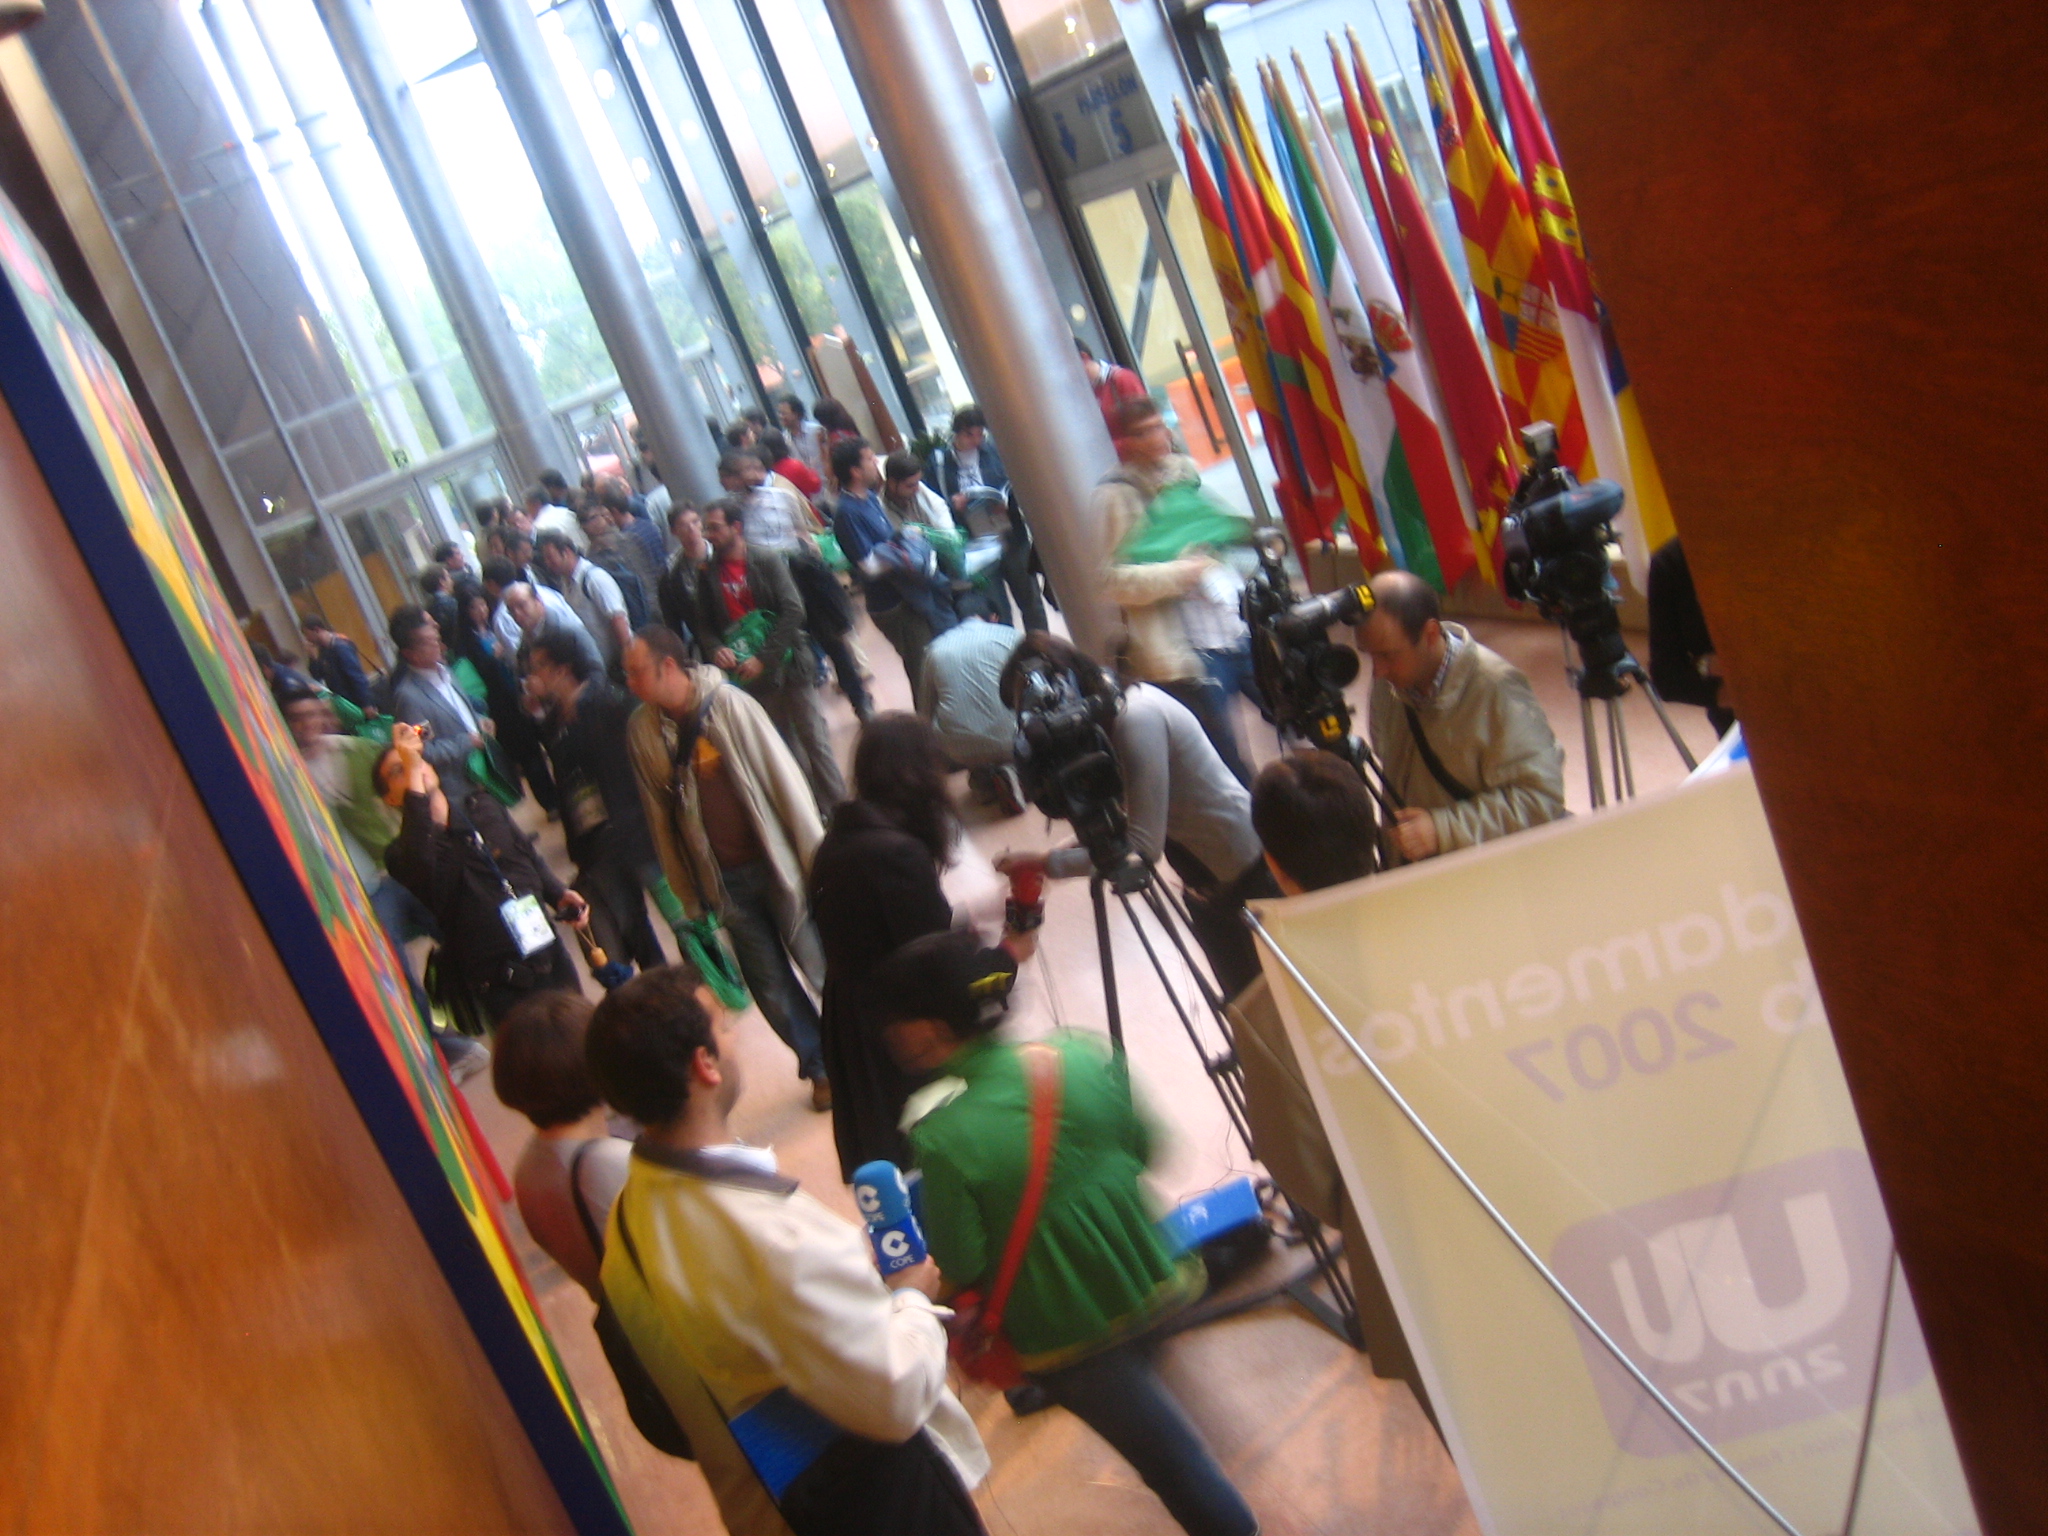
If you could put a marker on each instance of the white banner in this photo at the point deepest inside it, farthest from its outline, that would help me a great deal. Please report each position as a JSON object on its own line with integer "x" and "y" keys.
{"x": 1611, "y": 1023}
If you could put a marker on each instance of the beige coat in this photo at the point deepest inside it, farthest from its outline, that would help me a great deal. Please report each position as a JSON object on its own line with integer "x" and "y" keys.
{"x": 1157, "y": 649}
{"x": 769, "y": 783}
{"x": 1488, "y": 730}
{"x": 745, "y": 1287}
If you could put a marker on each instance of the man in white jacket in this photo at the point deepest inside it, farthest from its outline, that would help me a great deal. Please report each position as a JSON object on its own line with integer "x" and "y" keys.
{"x": 755, "y": 1307}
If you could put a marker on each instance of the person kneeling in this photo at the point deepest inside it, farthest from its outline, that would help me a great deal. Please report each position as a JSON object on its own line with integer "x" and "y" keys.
{"x": 1095, "y": 1273}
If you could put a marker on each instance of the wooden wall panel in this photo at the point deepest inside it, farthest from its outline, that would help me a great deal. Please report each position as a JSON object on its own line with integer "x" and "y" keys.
{"x": 1821, "y": 226}
{"x": 221, "y": 1316}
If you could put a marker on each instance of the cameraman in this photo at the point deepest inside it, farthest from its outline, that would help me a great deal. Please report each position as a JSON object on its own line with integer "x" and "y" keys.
{"x": 1316, "y": 820}
{"x": 1181, "y": 799}
{"x": 1466, "y": 746}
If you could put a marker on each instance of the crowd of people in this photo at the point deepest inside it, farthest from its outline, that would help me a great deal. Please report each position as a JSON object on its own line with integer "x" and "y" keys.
{"x": 652, "y": 673}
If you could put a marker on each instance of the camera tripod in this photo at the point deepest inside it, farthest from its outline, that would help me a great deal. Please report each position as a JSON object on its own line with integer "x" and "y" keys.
{"x": 1608, "y": 683}
{"x": 1137, "y": 888}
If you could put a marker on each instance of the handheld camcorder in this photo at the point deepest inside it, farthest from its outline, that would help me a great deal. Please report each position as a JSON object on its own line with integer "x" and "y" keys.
{"x": 1300, "y": 673}
{"x": 1067, "y": 765}
{"x": 1554, "y": 538}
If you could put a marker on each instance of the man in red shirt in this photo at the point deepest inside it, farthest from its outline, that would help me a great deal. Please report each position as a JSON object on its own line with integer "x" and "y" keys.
{"x": 769, "y": 657}
{"x": 775, "y": 453}
{"x": 1112, "y": 383}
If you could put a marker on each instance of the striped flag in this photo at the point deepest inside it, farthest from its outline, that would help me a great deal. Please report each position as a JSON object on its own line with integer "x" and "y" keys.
{"x": 1401, "y": 446}
{"x": 1294, "y": 299}
{"x": 1517, "y": 308}
{"x": 1415, "y": 474}
{"x": 1653, "y": 507}
{"x": 1242, "y": 311}
{"x": 1471, "y": 404}
{"x": 1571, "y": 283}
{"x": 1346, "y": 330}
{"x": 1287, "y": 335}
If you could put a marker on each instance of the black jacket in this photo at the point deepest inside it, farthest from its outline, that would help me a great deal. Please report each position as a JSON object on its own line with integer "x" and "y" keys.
{"x": 774, "y": 590}
{"x": 339, "y": 667}
{"x": 676, "y": 595}
{"x": 874, "y": 888}
{"x": 601, "y": 815}
{"x": 449, "y": 870}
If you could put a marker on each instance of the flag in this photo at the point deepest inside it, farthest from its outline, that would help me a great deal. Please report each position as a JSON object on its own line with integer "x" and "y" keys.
{"x": 1287, "y": 337}
{"x": 1471, "y": 405}
{"x": 1345, "y": 328}
{"x": 1571, "y": 285}
{"x": 1242, "y": 311}
{"x": 1292, "y": 301}
{"x": 1653, "y": 507}
{"x": 1516, "y": 307}
{"x": 1407, "y": 465}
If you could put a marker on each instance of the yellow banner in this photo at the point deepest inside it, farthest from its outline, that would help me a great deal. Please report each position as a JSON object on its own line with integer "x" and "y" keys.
{"x": 1612, "y": 1024}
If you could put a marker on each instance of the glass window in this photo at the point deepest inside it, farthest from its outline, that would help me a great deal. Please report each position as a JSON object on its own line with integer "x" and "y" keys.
{"x": 499, "y": 198}
{"x": 307, "y": 565}
{"x": 1052, "y": 35}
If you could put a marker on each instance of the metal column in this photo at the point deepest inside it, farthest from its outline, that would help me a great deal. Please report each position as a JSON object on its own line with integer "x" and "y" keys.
{"x": 1012, "y": 335}
{"x": 593, "y": 235}
{"x": 504, "y": 373}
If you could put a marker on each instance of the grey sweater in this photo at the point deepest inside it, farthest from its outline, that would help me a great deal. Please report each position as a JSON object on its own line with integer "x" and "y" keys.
{"x": 1175, "y": 786}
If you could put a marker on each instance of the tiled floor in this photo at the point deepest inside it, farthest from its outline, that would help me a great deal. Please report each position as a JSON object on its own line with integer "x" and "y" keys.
{"x": 1317, "y": 1443}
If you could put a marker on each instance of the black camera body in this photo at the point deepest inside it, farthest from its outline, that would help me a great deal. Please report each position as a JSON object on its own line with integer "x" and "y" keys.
{"x": 1067, "y": 764}
{"x": 1300, "y": 673}
{"x": 1554, "y": 538}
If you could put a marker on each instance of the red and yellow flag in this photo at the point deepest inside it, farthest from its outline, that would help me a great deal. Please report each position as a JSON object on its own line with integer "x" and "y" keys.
{"x": 1517, "y": 305}
{"x": 1246, "y": 332}
{"x": 1472, "y": 406}
{"x": 1301, "y": 362}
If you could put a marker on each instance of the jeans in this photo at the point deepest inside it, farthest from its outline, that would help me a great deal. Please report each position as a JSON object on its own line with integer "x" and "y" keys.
{"x": 1229, "y": 670}
{"x": 616, "y": 888}
{"x": 404, "y": 916}
{"x": 1119, "y": 1396}
{"x": 793, "y": 705}
{"x": 910, "y": 632}
{"x": 1206, "y": 701}
{"x": 1214, "y": 914}
{"x": 756, "y": 935}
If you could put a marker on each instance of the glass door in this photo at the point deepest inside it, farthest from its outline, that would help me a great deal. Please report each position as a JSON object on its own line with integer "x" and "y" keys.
{"x": 1173, "y": 314}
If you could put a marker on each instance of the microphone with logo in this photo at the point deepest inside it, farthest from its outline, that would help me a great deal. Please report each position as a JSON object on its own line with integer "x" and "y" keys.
{"x": 887, "y": 1205}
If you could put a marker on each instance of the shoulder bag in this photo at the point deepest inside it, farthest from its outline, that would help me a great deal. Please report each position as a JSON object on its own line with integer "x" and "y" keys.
{"x": 648, "y": 1409}
{"x": 978, "y": 1347}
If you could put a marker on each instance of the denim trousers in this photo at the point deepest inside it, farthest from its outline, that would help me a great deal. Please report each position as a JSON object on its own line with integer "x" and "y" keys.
{"x": 1120, "y": 1396}
{"x": 756, "y": 935}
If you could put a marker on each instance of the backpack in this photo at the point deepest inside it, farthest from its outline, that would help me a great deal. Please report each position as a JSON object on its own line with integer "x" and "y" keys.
{"x": 614, "y": 565}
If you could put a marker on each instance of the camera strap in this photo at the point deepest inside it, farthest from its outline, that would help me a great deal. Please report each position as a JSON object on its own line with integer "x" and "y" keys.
{"x": 1435, "y": 764}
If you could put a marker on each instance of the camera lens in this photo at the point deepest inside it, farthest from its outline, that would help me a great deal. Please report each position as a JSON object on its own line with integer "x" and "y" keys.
{"x": 1335, "y": 666}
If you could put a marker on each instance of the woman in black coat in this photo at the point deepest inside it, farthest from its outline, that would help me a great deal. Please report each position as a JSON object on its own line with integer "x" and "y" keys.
{"x": 875, "y": 887}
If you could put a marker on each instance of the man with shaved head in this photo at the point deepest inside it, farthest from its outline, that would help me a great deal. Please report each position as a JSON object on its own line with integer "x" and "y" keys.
{"x": 1466, "y": 746}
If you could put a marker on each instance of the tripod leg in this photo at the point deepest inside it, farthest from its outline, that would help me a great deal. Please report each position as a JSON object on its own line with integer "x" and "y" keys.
{"x": 1664, "y": 715}
{"x": 1107, "y": 961}
{"x": 1628, "y": 767}
{"x": 1596, "y": 787}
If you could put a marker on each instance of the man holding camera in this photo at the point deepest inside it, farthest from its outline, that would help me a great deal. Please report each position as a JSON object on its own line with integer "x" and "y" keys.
{"x": 1466, "y": 747}
{"x": 1182, "y": 802}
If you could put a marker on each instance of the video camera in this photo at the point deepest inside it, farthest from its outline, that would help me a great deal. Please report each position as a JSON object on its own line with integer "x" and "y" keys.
{"x": 1068, "y": 767}
{"x": 1554, "y": 538}
{"x": 1300, "y": 673}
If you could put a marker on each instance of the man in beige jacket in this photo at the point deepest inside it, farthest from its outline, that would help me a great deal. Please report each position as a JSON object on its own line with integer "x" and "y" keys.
{"x": 1466, "y": 746}
{"x": 735, "y": 825}
{"x": 1175, "y": 610}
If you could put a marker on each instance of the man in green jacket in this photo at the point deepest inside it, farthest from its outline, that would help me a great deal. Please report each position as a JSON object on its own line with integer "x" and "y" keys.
{"x": 1096, "y": 1273}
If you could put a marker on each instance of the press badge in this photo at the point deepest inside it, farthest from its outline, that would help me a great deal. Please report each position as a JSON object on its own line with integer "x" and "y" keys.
{"x": 528, "y": 925}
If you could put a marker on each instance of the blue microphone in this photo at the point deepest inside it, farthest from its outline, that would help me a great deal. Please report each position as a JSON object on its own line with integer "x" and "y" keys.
{"x": 879, "y": 1191}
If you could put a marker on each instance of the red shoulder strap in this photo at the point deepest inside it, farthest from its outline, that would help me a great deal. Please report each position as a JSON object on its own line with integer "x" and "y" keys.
{"x": 1043, "y": 1069}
